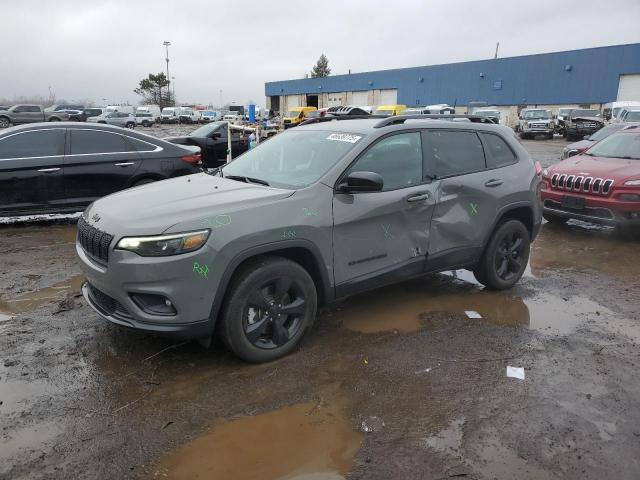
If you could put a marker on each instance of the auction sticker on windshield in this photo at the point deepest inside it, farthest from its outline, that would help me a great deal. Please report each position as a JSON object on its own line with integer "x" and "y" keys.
{"x": 344, "y": 137}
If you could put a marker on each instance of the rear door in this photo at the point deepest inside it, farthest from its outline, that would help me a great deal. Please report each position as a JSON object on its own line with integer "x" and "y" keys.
{"x": 98, "y": 162}
{"x": 383, "y": 236}
{"x": 31, "y": 170}
{"x": 469, "y": 192}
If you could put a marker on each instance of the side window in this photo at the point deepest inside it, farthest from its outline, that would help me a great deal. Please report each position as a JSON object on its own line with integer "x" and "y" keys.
{"x": 498, "y": 152}
{"x": 33, "y": 109}
{"x": 397, "y": 159}
{"x": 19, "y": 109}
{"x": 96, "y": 141}
{"x": 451, "y": 152}
{"x": 141, "y": 146}
{"x": 38, "y": 143}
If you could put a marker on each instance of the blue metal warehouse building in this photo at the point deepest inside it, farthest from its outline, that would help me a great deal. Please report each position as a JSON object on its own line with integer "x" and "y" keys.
{"x": 591, "y": 76}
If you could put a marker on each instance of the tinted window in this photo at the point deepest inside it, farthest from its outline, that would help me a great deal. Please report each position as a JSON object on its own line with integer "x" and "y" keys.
{"x": 397, "y": 159}
{"x": 453, "y": 153}
{"x": 498, "y": 152}
{"x": 32, "y": 109}
{"x": 141, "y": 146}
{"x": 90, "y": 141}
{"x": 40, "y": 143}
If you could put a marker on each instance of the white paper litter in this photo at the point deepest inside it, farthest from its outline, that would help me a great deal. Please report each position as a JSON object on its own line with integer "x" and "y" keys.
{"x": 472, "y": 314}
{"x": 515, "y": 372}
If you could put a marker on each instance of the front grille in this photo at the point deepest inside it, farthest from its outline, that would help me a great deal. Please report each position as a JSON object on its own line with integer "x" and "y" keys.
{"x": 94, "y": 241}
{"x": 106, "y": 304}
{"x": 595, "y": 186}
{"x": 539, "y": 125}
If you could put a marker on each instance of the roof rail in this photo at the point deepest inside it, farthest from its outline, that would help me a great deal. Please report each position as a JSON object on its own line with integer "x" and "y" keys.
{"x": 401, "y": 119}
{"x": 330, "y": 118}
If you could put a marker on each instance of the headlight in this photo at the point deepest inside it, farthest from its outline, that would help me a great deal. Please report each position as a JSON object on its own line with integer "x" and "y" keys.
{"x": 164, "y": 245}
{"x": 545, "y": 173}
{"x": 632, "y": 183}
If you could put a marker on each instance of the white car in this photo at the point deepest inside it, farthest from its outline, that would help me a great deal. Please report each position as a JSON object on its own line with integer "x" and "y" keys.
{"x": 145, "y": 119}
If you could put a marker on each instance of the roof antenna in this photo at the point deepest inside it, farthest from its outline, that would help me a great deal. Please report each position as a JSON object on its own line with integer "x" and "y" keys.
{"x": 496, "y": 54}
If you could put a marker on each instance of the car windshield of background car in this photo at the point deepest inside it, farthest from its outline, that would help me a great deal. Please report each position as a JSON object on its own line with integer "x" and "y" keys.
{"x": 619, "y": 145}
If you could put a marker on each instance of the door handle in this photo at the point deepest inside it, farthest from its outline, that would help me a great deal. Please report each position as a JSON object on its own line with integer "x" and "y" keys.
{"x": 494, "y": 182}
{"x": 418, "y": 197}
{"x": 48, "y": 170}
{"x": 124, "y": 164}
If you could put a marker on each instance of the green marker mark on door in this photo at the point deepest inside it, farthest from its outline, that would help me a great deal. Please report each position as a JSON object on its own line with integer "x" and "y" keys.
{"x": 474, "y": 208}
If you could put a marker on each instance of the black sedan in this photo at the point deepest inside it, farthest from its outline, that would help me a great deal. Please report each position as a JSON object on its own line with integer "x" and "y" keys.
{"x": 213, "y": 142}
{"x": 46, "y": 168}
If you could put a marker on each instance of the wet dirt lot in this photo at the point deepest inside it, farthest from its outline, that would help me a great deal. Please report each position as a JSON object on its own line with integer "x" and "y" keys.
{"x": 395, "y": 383}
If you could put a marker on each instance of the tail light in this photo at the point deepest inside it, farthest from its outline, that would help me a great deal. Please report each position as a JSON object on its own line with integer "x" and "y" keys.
{"x": 193, "y": 159}
{"x": 538, "y": 168}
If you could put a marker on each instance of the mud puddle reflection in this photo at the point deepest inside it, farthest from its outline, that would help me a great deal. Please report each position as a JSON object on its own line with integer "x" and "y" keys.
{"x": 32, "y": 300}
{"x": 302, "y": 441}
{"x": 409, "y": 306}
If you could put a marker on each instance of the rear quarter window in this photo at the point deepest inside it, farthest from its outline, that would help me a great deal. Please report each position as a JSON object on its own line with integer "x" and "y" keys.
{"x": 497, "y": 151}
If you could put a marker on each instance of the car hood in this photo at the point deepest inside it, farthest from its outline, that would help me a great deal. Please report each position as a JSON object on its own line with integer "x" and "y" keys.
{"x": 598, "y": 167}
{"x": 581, "y": 145}
{"x": 588, "y": 119}
{"x": 154, "y": 208}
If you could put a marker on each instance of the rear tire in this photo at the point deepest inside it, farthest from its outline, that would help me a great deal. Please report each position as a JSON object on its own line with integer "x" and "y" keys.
{"x": 523, "y": 135}
{"x": 270, "y": 305}
{"x": 5, "y": 122}
{"x": 505, "y": 257}
{"x": 555, "y": 219}
{"x": 130, "y": 125}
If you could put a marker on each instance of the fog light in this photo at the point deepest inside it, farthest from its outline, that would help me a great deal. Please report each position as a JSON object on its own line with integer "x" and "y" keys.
{"x": 630, "y": 197}
{"x": 153, "y": 304}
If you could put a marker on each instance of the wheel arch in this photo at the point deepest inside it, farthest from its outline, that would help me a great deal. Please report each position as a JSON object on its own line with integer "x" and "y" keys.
{"x": 302, "y": 252}
{"x": 522, "y": 211}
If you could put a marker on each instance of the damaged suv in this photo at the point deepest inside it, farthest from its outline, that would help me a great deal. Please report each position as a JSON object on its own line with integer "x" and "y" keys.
{"x": 249, "y": 251}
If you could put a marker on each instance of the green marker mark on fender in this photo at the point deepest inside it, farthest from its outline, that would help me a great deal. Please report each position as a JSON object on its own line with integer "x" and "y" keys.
{"x": 474, "y": 208}
{"x": 200, "y": 269}
{"x": 309, "y": 213}
{"x": 218, "y": 221}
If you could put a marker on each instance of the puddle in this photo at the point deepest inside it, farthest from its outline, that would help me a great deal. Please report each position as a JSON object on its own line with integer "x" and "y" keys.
{"x": 449, "y": 439}
{"x": 32, "y": 300}
{"x": 302, "y": 441}
{"x": 579, "y": 248}
{"x": 405, "y": 307}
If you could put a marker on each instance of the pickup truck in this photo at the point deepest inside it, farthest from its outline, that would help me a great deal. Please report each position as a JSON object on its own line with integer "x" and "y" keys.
{"x": 29, "y": 114}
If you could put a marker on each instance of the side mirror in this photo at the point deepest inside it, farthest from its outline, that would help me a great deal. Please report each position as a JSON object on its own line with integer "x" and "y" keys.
{"x": 361, "y": 182}
{"x": 216, "y": 135}
{"x": 572, "y": 153}
{"x": 586, "y": 137}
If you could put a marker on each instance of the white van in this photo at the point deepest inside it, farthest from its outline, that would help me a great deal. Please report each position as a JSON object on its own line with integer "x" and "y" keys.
{"x": 188, "y": 115}
{"x": 170, "y": 115}
{"x": 154, "y": 110}
{"x": 119, "y": 108}
{"x": 611, "y": 111}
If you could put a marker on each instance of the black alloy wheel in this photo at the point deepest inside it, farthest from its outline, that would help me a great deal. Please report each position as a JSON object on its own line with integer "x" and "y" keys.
{"x": 509, "y": 255}
{"x": 274, "y": 313}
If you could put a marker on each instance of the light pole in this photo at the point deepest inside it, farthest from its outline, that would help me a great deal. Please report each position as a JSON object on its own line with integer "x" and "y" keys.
{"x": 166, "y": 46}
{"x": 173, "y": 80}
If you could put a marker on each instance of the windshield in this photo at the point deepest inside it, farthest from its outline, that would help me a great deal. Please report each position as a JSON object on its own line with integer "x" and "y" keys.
{"x": 388, "y": 113}
{"x": 564, "y": 111}
{"x": 313, "y": 114}
{"x": 606, "y": 131}
{"x": 584, "y": 113}
{"x": 619, "y": 145}
{"x": 208, "y": 113}
{"x": 292, "y": 113}
{"x": 294, "y": 159}
{"x": 487, "y": 113}
{"x": 168, "y": 111}
{"x": 632, "y": 116}
{"x": 206, "y": 130}
{"x": 537, "y": 115}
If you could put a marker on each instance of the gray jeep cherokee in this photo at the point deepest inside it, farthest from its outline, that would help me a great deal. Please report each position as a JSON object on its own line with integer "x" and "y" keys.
{"x": 314, "y": 214}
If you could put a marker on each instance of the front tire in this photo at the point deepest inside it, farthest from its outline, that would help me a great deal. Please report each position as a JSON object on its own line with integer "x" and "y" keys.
{"x": 505, "y": 257}
{"x": 130, "y": 125}
{"x": 271, "y": 304}
{"x": 5, "y": 122}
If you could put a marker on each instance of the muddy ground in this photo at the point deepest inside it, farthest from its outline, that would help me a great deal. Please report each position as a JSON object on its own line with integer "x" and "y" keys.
{"x": 395, "y": 383}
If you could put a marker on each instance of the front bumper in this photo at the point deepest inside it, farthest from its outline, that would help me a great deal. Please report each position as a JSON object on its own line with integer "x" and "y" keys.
{"x": 601, "y": 210}
{"x": 110, "y": 291}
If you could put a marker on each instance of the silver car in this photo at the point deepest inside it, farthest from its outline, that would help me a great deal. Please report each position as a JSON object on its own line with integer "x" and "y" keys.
{"x": 119, "y": 119}
{"x": 320, "y": 212}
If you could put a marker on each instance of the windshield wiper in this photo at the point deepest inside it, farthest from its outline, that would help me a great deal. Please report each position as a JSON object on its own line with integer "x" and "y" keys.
{"x": 240, "y": 178}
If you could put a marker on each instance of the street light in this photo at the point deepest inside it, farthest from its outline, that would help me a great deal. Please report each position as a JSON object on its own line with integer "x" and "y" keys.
{"x": 166, "y": 46}
{"x": 173, "y": 80}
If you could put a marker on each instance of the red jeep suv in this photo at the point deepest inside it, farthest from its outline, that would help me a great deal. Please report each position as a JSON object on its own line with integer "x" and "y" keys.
{"x": 601, "y": 185}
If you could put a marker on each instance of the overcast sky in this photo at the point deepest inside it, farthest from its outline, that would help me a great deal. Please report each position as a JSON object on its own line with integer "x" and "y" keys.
{"x": 101, "y": 49}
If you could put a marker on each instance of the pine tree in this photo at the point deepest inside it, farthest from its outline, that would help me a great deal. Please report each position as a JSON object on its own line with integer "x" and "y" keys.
{"x": 321, "y": 68}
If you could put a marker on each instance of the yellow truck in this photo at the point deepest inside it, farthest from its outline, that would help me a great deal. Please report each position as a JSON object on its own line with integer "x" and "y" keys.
{"x": 295, "y": 115}
{"x": 389, "y": 110}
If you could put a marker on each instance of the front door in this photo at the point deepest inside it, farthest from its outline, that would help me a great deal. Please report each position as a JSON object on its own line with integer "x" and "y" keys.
{"x": 98, "y": 163}
{"x": 383, "y": 236}
{"x": 31, "y": 170}
{"x": 467, "y": 197}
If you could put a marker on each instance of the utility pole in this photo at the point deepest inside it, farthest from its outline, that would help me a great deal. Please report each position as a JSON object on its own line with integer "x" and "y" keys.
{"x": 173, "y": 80}
{"x": 166, "y": 46}
{"x": 496, "y": 54}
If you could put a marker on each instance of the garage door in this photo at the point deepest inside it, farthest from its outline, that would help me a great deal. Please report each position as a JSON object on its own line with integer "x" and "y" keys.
{"x": 360, "y": 98}
{"x": 292, "y": 101}
{"x": 629, "y": 87}
{"x": 334, "y": 99}
{"x": 388, "y": 97}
